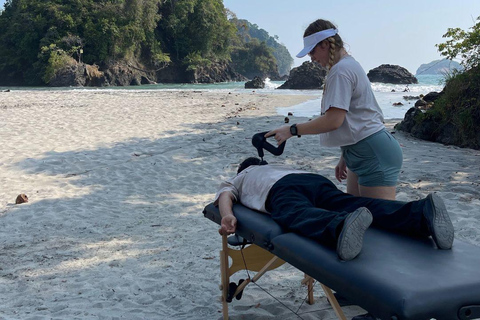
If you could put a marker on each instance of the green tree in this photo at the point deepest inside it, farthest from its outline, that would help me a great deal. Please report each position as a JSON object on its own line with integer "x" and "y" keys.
{"x": 196, "y": 31}
{"x": 247, "y": 31}
{"x": 255, "y": 58}
{"x": 463, "y": 44}
{"x": 104, "y": 30}
{"x": 455, "y": 116}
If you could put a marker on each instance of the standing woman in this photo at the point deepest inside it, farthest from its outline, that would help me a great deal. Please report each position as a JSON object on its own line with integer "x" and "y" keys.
{"x": 350, "y": 118}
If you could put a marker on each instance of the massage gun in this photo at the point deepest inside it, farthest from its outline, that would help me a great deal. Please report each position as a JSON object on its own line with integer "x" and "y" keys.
{"x": 260, "y": 142}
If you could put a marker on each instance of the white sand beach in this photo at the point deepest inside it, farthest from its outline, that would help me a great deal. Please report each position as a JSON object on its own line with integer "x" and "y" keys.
{"x": 117, "y": 181}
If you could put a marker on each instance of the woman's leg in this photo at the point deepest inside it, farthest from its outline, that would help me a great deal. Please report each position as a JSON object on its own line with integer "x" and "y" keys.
{"x": 387, "y": 193}
{"x": 355, "y": 189}
{"x": 352, "y": 183}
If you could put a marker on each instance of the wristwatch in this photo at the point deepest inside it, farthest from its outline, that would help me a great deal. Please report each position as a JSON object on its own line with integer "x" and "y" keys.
{"x": 294, "y": 130}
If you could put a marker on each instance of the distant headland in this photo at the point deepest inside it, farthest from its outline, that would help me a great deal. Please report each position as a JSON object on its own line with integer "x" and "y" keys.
{"x": 440, "y": 67}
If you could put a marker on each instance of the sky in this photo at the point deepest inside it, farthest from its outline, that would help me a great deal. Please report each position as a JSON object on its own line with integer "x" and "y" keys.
{"x": 376, "y": 32}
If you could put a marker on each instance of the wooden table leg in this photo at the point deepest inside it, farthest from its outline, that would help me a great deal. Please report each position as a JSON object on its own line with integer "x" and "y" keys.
{"x": 224, "y": 276}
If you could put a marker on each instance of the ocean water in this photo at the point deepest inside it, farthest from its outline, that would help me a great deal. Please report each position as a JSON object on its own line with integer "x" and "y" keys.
{"x": 311, "y": 108}
{"x": 384, "y": 95}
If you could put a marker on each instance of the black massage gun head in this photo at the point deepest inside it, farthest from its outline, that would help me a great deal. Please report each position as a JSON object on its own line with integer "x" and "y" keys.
{"x": 260, "y": 142}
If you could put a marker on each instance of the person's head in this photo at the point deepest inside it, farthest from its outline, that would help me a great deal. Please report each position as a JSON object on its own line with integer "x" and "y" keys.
{"x": 252, "y": 161}
{"x": 321, "y": 42}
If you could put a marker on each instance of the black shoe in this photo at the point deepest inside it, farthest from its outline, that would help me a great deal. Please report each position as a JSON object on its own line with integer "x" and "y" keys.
{"x": 232, "y": 287}
{"x": 366, "y": 316}
{"x": 350, "y": 241}
{"x": 239, "y": 295}
{"x": 439, "y": 223}
{"x": 342, "y": 301}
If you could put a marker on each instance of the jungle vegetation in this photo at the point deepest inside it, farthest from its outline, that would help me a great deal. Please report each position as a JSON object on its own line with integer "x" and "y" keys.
{"x": 38, "y": 37}
{"x": 454, "y": 118}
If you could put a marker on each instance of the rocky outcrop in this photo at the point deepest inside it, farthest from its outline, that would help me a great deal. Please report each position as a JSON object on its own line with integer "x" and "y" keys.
{"x": 115, "y": 74}
{"x": 429, "y": 127}
{"x": 279, "y": 78}
{"x": 78, "y": 75}
{"x": 439, "y": 67}
{"x": 387, "y": 73}
{"x": 122, "y": 73}
{"x": 309, "y": 75}
{"x": 255, "y": 83}
{"x": 216, "y": 72}
{"x": 432, "y": 96}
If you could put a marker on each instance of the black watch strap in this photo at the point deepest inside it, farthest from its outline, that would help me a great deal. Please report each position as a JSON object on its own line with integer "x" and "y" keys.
{"x": 294, "y": 130}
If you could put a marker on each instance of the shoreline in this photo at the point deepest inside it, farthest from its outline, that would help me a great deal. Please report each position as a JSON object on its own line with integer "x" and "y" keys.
{"x": 117, "y": 181}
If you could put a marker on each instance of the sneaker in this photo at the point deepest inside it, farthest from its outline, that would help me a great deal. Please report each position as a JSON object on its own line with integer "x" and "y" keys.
{"x": 439, "y": 223}
{"x": 366, "y": 316}
{"x": 350, "y": 241}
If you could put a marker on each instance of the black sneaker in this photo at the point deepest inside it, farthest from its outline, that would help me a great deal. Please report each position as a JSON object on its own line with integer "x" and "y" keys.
{"x": 439, "y": 223}
{"x": 350, "y": 241}
{"x": 366, "y": 316}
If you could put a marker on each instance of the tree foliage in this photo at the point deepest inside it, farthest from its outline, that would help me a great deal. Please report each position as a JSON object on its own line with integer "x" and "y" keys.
{"x": 455, "y": 116}
{"x": 39, "y": 37}
{"x": 195, "y": 31}
{"x": 103, "y": 30}
{"x": 462, "y": 44}
{"x": 247, "y": 31}
{"x": 255, "y": 58}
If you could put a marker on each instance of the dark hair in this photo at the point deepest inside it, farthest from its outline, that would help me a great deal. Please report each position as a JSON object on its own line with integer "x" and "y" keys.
{"x": 252, "y": 161}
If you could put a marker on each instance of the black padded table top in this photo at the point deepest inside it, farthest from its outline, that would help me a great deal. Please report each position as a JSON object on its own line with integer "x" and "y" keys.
{"x": 394, "y": 277}
{"x": 252, "y": 225}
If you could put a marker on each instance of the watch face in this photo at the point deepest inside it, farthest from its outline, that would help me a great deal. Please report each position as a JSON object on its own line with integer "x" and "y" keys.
{"x": 293, "y": 130}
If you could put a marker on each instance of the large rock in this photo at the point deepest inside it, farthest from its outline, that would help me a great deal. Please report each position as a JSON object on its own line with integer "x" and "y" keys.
{"x": 255, "y": 83}
{"x": 432, "y": 96}
{"x": 430, "y": 127}
{"x": 78, "y": 75}
{"x": 423, "y": 131}
{"x": 215, "y": 72}
{"x": 387, "y": 73}
{"x": 409, "y": 120}
{"x": 121, "y": 73}
{"x": 309, "y": 75}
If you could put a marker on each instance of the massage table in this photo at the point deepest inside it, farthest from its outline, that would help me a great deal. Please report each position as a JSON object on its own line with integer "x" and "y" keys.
{"x": 395, "y": 276}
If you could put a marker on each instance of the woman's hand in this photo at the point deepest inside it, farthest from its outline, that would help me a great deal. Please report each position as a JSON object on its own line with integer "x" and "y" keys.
{"x": 228, "y": 225}
{"x": 281, "y": 134}
{"x": 341, "y": 170}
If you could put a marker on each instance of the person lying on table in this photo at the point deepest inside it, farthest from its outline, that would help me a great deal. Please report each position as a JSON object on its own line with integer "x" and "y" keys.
{"x": 311, "y": 205}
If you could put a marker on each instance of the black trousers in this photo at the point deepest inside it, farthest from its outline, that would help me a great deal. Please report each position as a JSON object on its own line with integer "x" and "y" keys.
{"x": 311, "y": 205}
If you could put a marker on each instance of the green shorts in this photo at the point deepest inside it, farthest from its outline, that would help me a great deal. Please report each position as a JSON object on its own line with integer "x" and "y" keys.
{"x": 376, "y": 160}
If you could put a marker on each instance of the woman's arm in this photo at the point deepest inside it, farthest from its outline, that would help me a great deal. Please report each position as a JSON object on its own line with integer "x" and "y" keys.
{"x": 330, "y": 121}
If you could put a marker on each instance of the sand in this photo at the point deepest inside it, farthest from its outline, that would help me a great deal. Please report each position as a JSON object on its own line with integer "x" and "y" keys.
{"x": 117, "y": 180}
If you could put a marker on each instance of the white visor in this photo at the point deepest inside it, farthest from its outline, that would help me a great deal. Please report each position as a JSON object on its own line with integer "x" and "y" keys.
{"x": 312, "y": 40}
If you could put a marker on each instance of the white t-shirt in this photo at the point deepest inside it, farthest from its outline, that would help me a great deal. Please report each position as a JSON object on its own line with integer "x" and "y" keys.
{"x": 252, "y": 185}
{"x": 348, "y": 88}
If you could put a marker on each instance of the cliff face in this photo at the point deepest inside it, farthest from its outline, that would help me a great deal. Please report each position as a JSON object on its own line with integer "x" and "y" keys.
{"x": 438, "y": 67}
{"x": 123, "y": 73}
